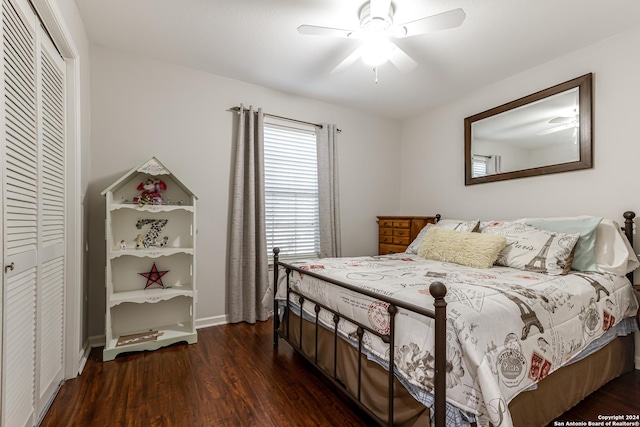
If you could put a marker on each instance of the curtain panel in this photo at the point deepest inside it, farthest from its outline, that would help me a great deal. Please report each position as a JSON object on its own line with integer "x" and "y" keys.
{"x": 328, "y": 194}
{"x": 248, "y": 258}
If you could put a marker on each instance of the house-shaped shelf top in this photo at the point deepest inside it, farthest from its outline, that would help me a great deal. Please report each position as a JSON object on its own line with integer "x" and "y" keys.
{"x": 147, "y": 185}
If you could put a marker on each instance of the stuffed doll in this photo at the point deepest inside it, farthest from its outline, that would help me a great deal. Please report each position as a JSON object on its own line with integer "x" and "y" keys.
{"x": 151, "y": 189}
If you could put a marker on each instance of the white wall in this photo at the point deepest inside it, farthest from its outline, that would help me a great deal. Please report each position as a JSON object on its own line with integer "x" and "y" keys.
{"x": 433, "y": 143}
{"x": 143, "y": 108}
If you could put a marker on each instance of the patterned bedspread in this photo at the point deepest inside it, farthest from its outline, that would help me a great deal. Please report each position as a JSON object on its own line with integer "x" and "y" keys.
{"x": 506, "y": 329}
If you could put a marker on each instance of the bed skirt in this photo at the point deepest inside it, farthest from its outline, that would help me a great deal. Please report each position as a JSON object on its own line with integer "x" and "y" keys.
{"x": 554, "y": 395}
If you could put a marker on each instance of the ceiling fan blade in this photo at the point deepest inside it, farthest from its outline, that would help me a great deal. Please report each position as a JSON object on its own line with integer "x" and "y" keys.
{"x": 442, "y": 21}
{"x": 348, "y": 61}
{"x": 561, "y": 119}
{"x": 313, "y": 30}
{"x": 557, "y": 129}
{"x": 401, "y": 60}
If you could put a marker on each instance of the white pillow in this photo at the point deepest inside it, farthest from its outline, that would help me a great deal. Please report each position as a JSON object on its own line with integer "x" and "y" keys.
{"x": 614, "y": 253}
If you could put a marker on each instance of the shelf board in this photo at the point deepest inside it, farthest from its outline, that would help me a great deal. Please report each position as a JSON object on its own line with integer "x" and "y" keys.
{"x": 150, "y": 252}
{"x": 151, "y": 208}
{"x": 170, "y": 334}
{"x": 151, "y": 295}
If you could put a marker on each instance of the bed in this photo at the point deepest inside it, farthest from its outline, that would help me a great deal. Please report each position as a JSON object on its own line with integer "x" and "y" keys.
{"x": 469, "y": 342}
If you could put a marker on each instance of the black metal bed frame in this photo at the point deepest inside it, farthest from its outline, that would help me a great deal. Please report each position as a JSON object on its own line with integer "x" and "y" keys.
{"x": 437, "y": 289}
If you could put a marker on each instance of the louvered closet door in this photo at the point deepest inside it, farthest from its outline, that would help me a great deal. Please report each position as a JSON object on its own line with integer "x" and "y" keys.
{"x": 32, "y": 216}
{"x": 20, "y": 216}
{"x": 51, "y": 242}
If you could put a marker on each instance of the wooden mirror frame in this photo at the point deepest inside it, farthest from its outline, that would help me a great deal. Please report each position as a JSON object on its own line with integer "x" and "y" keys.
{"x": 584, "y": 84}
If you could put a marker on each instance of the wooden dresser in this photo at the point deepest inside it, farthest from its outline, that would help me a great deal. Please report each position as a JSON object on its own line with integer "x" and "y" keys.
{"x": 395, "y": 233}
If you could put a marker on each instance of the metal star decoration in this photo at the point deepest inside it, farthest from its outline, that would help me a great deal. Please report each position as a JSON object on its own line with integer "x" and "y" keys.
{"x": 154, "y": 276}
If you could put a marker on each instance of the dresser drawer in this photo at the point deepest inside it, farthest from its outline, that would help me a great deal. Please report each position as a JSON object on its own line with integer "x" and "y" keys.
{"x": 404, "y": 223}
{"x": 384, "y": 249}
{"x": 401, "y": 240}
{"x": 386, "y": 239}
{"x": 388, "y": 223}
{"x": 386, "y": 232}
{"x": 402, "y": 232}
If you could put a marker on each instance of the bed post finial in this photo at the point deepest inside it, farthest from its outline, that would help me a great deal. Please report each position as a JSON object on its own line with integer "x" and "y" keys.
{"x": 628, "y": 225}
{"x": 438, "y": 291}
{"x": 628, "y": 231}
{"x": 629, "y": 216}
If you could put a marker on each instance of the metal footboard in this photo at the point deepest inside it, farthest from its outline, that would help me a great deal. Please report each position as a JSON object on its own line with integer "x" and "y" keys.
{"x": 437, "y": 290}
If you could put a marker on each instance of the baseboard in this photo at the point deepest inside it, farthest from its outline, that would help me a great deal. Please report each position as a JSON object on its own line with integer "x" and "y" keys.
{"x": 212, "y": 321}
{"x": 97, "y": 341}
{"x": 84, "y": 356}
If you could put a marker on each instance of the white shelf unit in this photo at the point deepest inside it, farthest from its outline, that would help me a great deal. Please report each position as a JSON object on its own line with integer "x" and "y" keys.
{"x": 136, "y": 305}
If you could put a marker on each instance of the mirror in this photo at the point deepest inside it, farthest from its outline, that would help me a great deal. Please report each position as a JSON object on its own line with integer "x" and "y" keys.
{"x": 546, "y": 132}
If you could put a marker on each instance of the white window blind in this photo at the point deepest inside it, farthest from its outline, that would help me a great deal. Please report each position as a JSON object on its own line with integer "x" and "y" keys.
{"x": 478, "y": 166}
{"x": 291, "y": 190}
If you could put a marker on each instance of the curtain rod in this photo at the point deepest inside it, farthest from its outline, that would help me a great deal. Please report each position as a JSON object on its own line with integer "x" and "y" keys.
{"x": 237, "y": 109}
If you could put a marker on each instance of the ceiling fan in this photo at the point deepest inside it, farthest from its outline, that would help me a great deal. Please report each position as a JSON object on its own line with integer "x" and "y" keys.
{"x": 562, "y": 123}
{"x": 377, "y": 27}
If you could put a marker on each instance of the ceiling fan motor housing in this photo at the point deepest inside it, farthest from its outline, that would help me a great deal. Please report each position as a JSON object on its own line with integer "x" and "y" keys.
{"x": 375, "y": 24}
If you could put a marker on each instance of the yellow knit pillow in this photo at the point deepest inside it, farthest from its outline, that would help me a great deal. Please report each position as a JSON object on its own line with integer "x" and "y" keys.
{"x": 471, "y": 249}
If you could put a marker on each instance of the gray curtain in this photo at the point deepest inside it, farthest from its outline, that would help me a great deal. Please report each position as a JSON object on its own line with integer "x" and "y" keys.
{"x": 328, "y": 194}
{"x": 248, "y": 259}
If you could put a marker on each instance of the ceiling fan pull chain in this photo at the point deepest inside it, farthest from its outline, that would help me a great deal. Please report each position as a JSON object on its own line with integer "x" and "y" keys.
{"x": 375, "y": 70}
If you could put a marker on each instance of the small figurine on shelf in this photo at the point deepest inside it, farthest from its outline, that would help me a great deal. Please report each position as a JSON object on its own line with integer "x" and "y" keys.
{"x": 164, "y": 242}
{"x": 139, "y": 243}
{"x": 151, "y": 189}
{"x": 123, "y": 245}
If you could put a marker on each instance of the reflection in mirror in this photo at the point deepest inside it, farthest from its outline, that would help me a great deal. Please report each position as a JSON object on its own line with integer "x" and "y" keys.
{"x": 547, "y": 132}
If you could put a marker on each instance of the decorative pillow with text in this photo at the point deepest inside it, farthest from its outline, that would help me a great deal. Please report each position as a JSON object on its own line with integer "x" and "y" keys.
{"x": 459, "y": 225}
{"x": 532, "y": 249}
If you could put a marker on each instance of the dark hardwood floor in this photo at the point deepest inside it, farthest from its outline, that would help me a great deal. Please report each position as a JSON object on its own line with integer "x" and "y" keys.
{"x": 233, "y": 377}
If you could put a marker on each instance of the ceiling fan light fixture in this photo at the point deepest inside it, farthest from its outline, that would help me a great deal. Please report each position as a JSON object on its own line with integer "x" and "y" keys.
{"x": 377, "y": 27}
{"x": 376, "y": 51}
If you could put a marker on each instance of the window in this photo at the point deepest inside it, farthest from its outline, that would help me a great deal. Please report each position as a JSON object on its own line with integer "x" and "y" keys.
{"x": 478, "y": 166}
{"x": 291, "y": 190}
{"x": 485, "y": 165}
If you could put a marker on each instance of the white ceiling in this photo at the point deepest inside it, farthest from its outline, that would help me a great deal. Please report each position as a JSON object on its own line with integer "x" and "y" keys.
{"x": 256, "y": 41}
